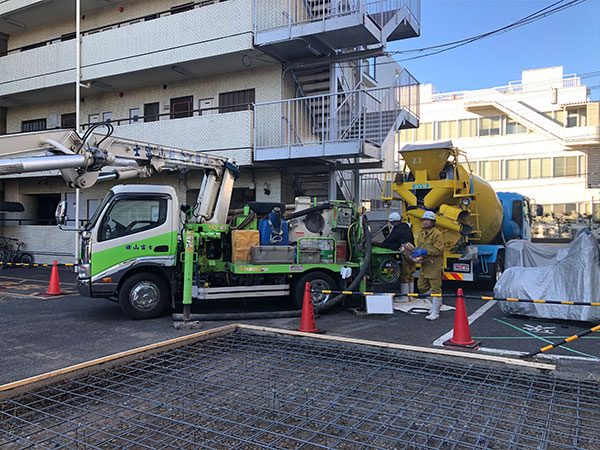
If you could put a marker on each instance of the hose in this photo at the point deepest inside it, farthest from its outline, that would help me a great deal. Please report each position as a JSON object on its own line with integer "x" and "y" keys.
{"x": 361, "y": 274}
{"x": 304, "y": 212}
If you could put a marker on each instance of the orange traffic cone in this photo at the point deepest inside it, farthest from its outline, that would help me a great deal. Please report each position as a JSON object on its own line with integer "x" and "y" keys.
{"x": 307, "y": 321}
{"x": 54, "y": 285}
{"x": 461, "y": 336}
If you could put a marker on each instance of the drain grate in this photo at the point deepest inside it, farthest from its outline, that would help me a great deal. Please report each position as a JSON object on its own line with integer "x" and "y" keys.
{"x": 248, "y": 390}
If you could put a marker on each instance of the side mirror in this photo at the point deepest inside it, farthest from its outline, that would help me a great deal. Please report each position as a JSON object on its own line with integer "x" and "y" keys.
{"x": 61, "y": 212}
{"x": 539, "y": 210}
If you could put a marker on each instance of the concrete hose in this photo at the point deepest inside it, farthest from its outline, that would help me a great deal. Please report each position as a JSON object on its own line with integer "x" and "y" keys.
{"x": 361, "y": 274}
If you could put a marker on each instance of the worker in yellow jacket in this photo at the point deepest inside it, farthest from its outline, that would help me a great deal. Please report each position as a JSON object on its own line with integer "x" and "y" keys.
{"x": 431, "y": 250}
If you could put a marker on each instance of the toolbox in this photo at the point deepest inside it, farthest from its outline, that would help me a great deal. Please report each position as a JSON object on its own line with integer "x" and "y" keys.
{"x": 273, "y": 254}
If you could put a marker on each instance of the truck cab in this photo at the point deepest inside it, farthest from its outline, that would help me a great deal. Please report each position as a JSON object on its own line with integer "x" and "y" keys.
{"x": 133, "y": 234}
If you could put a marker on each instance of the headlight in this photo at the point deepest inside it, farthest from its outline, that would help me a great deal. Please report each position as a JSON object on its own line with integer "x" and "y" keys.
{"x": 83, "y": 271}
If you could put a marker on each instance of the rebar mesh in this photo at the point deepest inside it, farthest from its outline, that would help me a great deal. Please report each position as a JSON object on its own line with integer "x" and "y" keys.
{"x": 248, "y": 390}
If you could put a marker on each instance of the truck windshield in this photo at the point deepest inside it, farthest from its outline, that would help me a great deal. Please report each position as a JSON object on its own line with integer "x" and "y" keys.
{"x": 92, "y": 223}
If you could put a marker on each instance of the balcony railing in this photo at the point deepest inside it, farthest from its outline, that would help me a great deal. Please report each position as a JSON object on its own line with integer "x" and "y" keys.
{"x": 275, "y": 15}
{"x": 173, "y": 115}
{"x": 512, "y": 88}
{"x": 358, "y": 115}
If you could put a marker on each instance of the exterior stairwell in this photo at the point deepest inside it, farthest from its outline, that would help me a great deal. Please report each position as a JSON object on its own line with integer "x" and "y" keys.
{"x": 314, "y": 82}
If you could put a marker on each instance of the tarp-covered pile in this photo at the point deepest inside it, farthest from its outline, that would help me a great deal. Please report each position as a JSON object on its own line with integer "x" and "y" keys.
{"x": 563, "y": 273}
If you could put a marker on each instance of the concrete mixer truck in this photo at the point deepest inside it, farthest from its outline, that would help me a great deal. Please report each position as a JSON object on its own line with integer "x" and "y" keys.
{"x": 475, "y": 220}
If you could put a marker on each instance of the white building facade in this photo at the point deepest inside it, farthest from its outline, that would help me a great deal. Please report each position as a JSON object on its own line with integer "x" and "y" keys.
{"x": 539, "y": 137}
{"x": 299, "y": 94}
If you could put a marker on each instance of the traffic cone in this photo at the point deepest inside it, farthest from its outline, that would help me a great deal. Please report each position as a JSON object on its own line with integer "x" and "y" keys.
{"x": 307, "y": 321}
{"x": 461, "y": 336}
{"x": 54, "y": 285}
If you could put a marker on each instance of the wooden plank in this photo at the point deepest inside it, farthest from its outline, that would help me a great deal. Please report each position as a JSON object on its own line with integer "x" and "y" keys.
{"x": 105, "y": 362}
{"x": 437, "y": 351}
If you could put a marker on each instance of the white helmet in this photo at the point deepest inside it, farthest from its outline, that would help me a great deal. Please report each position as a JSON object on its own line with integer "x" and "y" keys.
{"x": 429, "y": 215}
{"x": 395, "y": 217}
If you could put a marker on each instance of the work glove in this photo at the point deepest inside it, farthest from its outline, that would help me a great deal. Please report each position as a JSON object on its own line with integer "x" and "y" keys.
{"x": 418, "y": 252}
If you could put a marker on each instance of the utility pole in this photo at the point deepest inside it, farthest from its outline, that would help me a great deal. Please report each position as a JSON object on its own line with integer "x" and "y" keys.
{"x": 77, "y": 110}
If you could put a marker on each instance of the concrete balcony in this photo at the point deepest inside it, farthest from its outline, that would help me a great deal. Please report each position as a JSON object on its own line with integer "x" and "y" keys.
{"x": 195, "y": 43}
{"x": 227, "y": 134}
{"x": 306, "y": 28}
{"x": 18, "y": 14}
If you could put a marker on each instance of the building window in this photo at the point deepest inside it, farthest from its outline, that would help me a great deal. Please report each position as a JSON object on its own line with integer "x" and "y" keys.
{"x": 68, "y": 121}
{"x": 151, "y": 111}
{"x": 514, "y": 127}
{"x": 489, "y": 126}
{"x": 182, "y": 107}
{"x": 45, "y": 208}
{"x": 236, "y": 100}
{"x": 369, "y": 67}
{"x": 516, "y": 169}
{"x": 540, "y": 167}
{"x": 67, "y": 37}
{"x": 576, "y": 117}
{"x": 446, "y": 129}
{"x": 134, "y": 115}
{"x": 565, "y": 166}
{"x": 467, "y": 128}
{"x": 424, "y": 132}
{"x": 33, "y": 125}
{"x": 182, "y": 8}
{"x": 470, "y": 166}
{"x": 407, "y": 135}
{"x": 489, "y": 170}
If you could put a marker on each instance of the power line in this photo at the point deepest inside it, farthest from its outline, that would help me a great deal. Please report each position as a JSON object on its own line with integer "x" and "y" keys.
{"x": 540, "y": 14}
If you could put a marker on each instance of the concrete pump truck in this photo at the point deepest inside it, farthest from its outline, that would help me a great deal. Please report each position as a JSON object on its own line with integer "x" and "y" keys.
{"x": 145, "y": 249}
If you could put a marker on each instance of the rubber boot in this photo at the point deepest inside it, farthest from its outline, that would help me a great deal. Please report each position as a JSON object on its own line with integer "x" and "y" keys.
{"x": 401, "y": 298}
{"x": 436, "y": 305}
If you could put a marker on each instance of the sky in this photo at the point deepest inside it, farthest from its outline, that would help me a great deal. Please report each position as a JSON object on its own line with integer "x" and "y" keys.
{"x": 569, "y": 38}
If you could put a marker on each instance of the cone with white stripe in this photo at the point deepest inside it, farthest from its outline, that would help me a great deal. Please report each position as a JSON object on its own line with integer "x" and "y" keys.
{"x": 461, "y": 334}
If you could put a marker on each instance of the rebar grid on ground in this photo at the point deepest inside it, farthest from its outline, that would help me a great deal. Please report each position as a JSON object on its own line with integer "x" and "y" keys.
{"x": 249, "y": 391}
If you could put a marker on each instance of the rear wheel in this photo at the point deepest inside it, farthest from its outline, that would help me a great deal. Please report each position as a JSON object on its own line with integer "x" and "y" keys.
{"x": 144, "y": 296}
{"x": 319, "y": 281}
{"x": 26, "y": 258}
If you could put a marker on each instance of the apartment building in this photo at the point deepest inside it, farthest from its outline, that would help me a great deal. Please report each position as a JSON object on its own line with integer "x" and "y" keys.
{"x": 539, "y": 136}
{"x": 299, "y": 94}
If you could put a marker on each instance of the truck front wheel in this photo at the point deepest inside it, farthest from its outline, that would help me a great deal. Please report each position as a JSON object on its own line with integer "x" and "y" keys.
{"x": 144, "y": 296}
{"x": 319, "y": 281}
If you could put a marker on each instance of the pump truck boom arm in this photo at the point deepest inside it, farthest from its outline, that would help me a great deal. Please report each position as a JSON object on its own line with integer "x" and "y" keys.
{"x": 81, "y": 158}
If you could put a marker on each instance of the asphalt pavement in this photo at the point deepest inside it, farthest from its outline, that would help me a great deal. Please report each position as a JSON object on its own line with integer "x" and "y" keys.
{"x": 41, "y": 333}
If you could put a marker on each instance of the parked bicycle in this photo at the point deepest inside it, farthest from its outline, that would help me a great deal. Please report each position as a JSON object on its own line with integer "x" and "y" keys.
{"x": 10, "y": 255}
